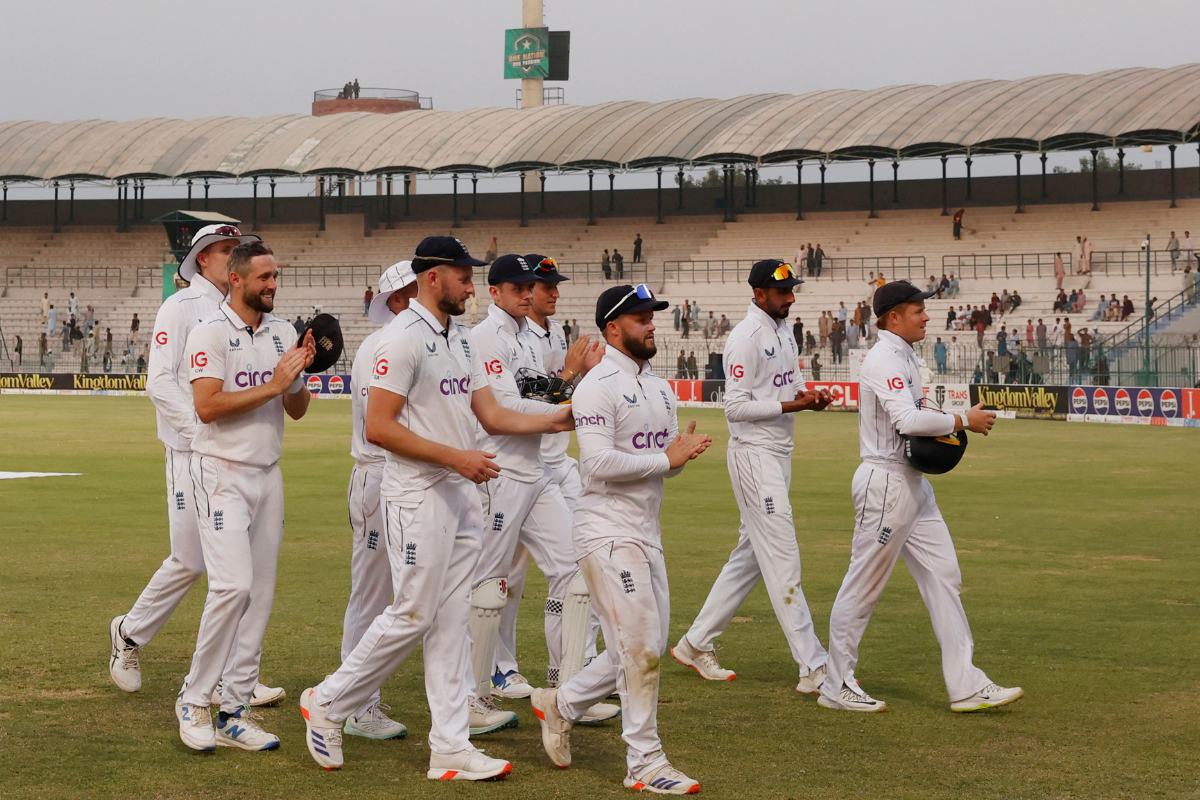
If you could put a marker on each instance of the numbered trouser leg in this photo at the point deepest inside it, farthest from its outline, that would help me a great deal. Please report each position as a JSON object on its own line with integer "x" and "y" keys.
{"x": 370, "y": 568}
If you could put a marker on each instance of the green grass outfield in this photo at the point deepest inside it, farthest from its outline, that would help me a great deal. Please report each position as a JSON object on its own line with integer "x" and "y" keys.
{"x": 1080, "y": 559}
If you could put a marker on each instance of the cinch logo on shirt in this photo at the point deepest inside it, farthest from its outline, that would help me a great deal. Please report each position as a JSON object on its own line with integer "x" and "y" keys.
{"x": 200, "y": 360}
{"x": 452, "y": 385}
{"x": 643, "y": 440}
{"x": 252, "y": 377}
{"x": 161, "y": 337}
{"x": 783, "y": 378}
{"x": 494, "y": 367}
{"x": 737, "y": 371}
{"x": 582, "y": 419}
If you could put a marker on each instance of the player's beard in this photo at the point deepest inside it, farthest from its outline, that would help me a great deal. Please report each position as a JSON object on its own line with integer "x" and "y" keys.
{"x": 447, "y": 305}
{"x": 262, "y": 302}
{"x": 639, "y": 348}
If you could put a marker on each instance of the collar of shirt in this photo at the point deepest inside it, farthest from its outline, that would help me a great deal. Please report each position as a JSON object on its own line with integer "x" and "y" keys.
{"x": 240, "y": 323}
{"x": 206, "y": 288}
{"x": 506, "y": 321}
{"x": 538, "y": 330}
{"x": 629, "y": 366}
{"x": 896, "y": 343}
{"x": 433, "y": 322}
{"x": 764, "y": 320}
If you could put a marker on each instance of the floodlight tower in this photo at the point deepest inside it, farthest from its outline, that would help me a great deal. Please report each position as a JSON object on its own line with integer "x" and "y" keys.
{"x": 531, "y": 88}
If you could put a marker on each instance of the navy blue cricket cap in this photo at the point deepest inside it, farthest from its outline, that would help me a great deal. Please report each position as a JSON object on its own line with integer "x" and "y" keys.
{"x": 893, "y": 294}
{"x": 510, "y": 268}
{"x": 545, "y": 269}
{"x": 626, "y": 299}
{"x": 442, "y": 251}
{"x": 773, "y": 274}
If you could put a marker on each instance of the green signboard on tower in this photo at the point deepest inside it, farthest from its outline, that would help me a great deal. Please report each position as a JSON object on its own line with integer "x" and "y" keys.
{"x": 527, "y": 53}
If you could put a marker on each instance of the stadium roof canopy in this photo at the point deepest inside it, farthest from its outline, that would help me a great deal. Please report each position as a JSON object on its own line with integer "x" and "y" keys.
{"x": 1053, "y": 112}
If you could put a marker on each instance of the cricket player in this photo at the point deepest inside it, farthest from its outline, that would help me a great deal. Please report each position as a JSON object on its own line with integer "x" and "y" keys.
{"x": 629, "y": 442}
{"x": 205, "y": 267}
{"x": 245, "y": 367}
{"x": 763, "y": 388}
{"x": 370, "y": 571}
{"x": 522, "y": 505}
{"x": 897, "y": 515}
{"x": 428, "y": 391}
{"x": 569, "y": 363}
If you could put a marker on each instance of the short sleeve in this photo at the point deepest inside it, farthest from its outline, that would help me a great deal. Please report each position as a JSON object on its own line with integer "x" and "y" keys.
{"x": 206, "y": 352}
{"x": 396, "y": 365}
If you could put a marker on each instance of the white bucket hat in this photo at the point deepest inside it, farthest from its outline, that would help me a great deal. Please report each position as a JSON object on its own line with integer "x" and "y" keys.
{"x": 206, "y": 236}
{"x": 393, "y": 279}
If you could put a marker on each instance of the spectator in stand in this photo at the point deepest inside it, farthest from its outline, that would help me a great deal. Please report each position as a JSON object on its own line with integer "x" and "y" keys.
{"x": 73, "y": 305}
{"x": 1195, "y": 283}
{"x": 1056, "y": 333}
{"x": 1014, "y": 300}
{"x": 51, "y": 320}
{"x": 1189, "y": 247}
{"x": 710, "y": 326}
{"x": 695, "y": 315}
{"x": 823, "y": 327}
{"x": 1114, "y": 310}
{"x": 356, "y": 88}
{"x": 1060, "y": 302}
{"x": 1072, "y": 299}
{"x": 18, "y": 349}
{"x": 693, "y": 370}
{"x": 994, "y": 304}
{"x": 802, "y": 259}
{"x": 1072, "y": 357}
{"x": 89, "y": 320}
{"x": 675, "y": 312}
{"x": 958, "y": 223}
{"x": 1080, "y": 302}
{"x": 943, "y": 286}
{"x": 1005, "y": 297}
{"x": 83, "y": 360}
{"x": 108, "y": 340}
{"x": 45, "y": 305}
{"x": 1077, "y": 256}
{"x": 606, "y": 265}
{"x": 1002, "y": 341}
{"x": 852, "y": 331}
{"x": 950, "y": 317}
{"x": 810, "y": 344}
{"x": 1088, "y": 248}
{"x": 567, "y": 331}
{"x": 134, "y": 325}
{"x": 681, "y": 368}
{"x": 842, "y": 313}
{"x": 1101, "y": 307}
{"x": 686, "y": 324}
{"x": 1085, "y": 350}
{"x": 932, "y": 286}
{"x": 141, "y": 364}
{"x": 473, "y": 307}
{"x": 618, "y": 261}
{"x": 298, "y": 325}
{"x": 1126, "y": 308}
{"x": 1102, "y": 371}
{"x": 107, "y": 362}
{"x": 366, "y": 300}
{"x": 723, "y": 326}
{"x": 637, "y": 249}
{"x": 815, "y": 366}
{"x": 818, "y": 259}
{"x": 797, "y": 333}
{"x": 1172, "y": 249}
{"x": 1041, "y": 335}
{"x": 66, "y": 334}
{"x": 979, "y": 328}
{"x": 836, "y": 334}
{"x": 1029, "y": 334}
{"x": 986, "y": 314}
{"x": 1189, "y": 285}
{"x": 939, "y": 355}
{"x": 811, "y": 260}
{"x": 952, "y": 292}
{"x": 43, "y": 346}
{"x": 1060, "y": 271}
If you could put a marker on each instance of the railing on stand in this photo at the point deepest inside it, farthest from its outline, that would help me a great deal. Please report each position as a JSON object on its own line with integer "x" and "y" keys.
{"x": 847, "y": 269}
{"x": 593, "y": 272}
{"x": 64, "y": 277}
{"x": 329, "y": 275}
{"x": 1041, "y": 265}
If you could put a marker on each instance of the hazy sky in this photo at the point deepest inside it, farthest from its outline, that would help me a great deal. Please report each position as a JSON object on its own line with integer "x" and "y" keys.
{"x": 125, "y": 59}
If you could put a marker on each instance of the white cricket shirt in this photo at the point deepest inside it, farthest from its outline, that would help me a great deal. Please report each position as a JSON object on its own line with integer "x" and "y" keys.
{"x": 365, "y": 453}
{"x": 553, "y": 347}
{"x": 624, "y": 420}
{"x": 890, "y": 400}
{"x": 506, "y": 345}
{"x": 168, "y": 375}
{"x": 762, "y": 370}
{"x": 435, "y": 369}
{"x": 226, "y": 348}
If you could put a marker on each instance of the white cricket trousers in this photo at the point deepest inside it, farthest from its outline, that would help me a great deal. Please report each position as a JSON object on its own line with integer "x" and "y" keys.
{"x": 370, "y": 568}
{"x": 566, "y": 475}
{"x": 182, "y": 568}
{"x": 433, "y": 547}
{"x": 896, "y": 515}
{"x": 240, "y": 511}
{"x": 766, "y": 549}
{"x": 535, "y": 515}
{"x": 628, "y": 583}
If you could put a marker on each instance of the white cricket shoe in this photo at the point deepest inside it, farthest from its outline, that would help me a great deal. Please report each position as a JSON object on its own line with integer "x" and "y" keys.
{"x": 990, "y": 696}
{"x": 123, "y": 665}
{"x": 852, "y": 699}
{"x": 663, "y": 780}
{"x": 262, "y": 696}
{"x": 556, "y": 730}
{"x": 466, "y": 765}
{"x": 324, "y": 738}
{"x": 195, "y": 726}
{"x": 811, "y": 683}
{"x": 375, "y": 724}
{"x": 511, "y": 685}
{"x": 485, "y": 717}
{"x": 703, "y": 661}
{"x": 601, "y": 712}
{"x": 241, "y": 729}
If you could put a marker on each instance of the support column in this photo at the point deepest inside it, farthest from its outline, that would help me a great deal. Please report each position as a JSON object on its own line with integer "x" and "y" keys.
{"x": 1020, "y": 208}
{"x": 206, "y": 194}
{"x": 71, "y": 205}
{"x": 4, "y": 205}
{"x": 532, "y": 16}
{"x": 1044, "y": 175}
{"x": 612, "y": 191}
{"x": 321, "y": 202}
{"x": 591, "y": 200}
{"x": 1120, "y": 170}
{"x": 1095, "y": 182}
{"x": 189, "y": 202}
{"x": 57, "y": 227}
{"x": 1171, "y": 147}
{"x": 273, "y": 195}
{"x": 823, "y": 164}
{"x": 680, "y": 206}
{"x": 387, "y": 203}
{"x": 474, "y": 193}
{"x": 408, "y": 187}
{"x": 749, "y": 201}
{"x": 969, "y": 195}
{"x": 542, "y": 178}
{"x": 871, "y": 186}
{"x": 254, "y": 207}
{"x": 896, "y": 182}
{"x": 945, "y": 201}
{"x": 799, "y": 190}
{"x": 658, "y": 173}
{"x": 524, "y": 220}
{"x": 454, "y": 201}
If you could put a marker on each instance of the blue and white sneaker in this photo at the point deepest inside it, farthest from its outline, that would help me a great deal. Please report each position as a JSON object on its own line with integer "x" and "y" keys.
{"x": 195, "y": 726}
{"x": 511, "y": 685}
{"x": 241, "y": 729}
{"x": 663, "y": 780}
{"x": 324, "y": 738}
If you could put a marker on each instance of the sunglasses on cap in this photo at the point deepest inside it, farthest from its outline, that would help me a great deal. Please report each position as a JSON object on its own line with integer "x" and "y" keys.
{"x": 642, "y": 291}
{"x": 546, "y": 266}
{"x": 783, "y": 272}
{"x": 226, "y": 230}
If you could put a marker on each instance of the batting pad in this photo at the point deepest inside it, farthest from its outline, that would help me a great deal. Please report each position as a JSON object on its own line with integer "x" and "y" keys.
{"x": 487, "y": 603}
